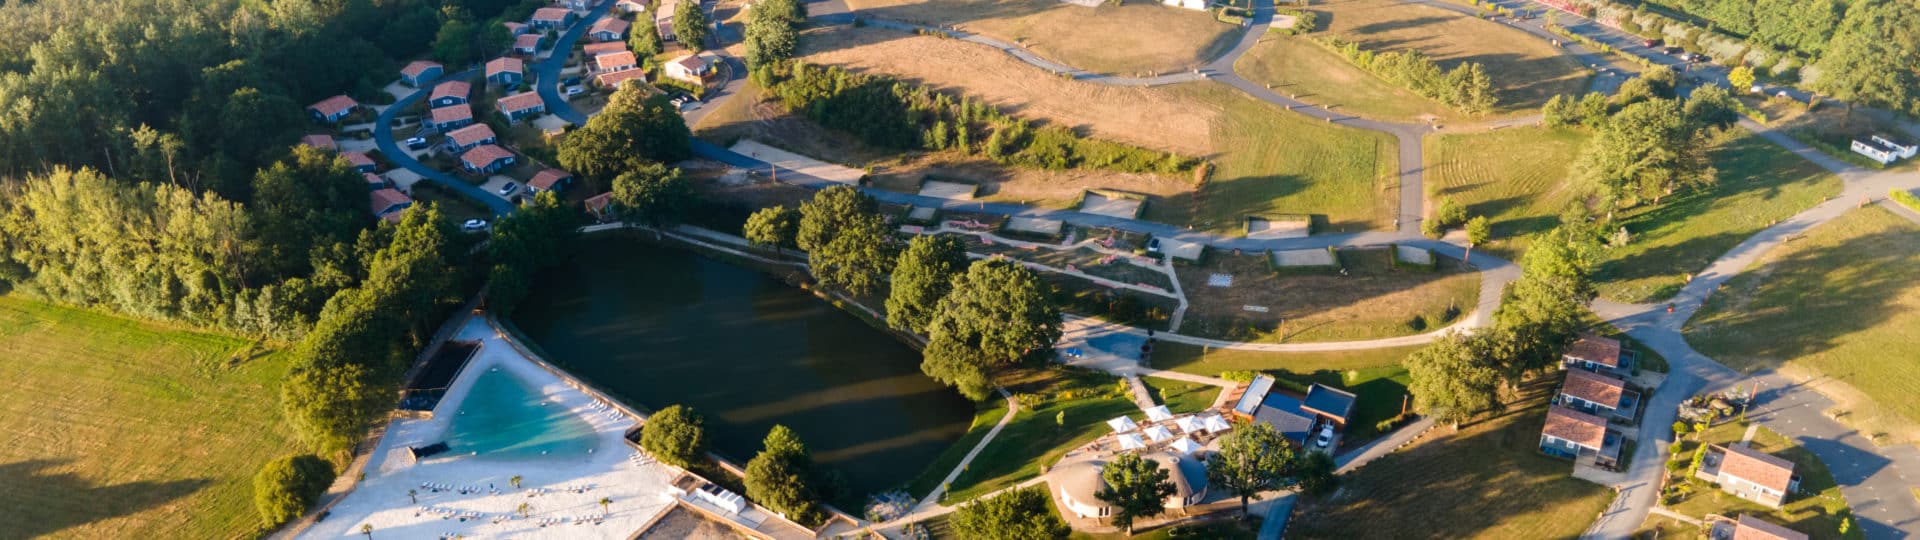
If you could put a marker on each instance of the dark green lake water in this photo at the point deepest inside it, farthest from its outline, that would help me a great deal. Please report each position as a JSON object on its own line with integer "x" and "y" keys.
{"x": 659, "y": 325}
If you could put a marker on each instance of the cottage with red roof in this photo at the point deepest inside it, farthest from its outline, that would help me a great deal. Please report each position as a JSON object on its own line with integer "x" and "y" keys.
{"x": 1598, "y": 394}
{"x": 613, "y": 79}
{"x": 551, "y": 17}
{"x": 691, "y": 68}
{"x": 506, "y": 71}
{"x": 609, "y": 29}
{"x": 374, "y": 181}
{"x": 619, "y": 61}
{"x": 486, "y": 158}
{"x": 528, "y": 43}
{"x": 463, "y": 139}
{"x": 597, "y": 49}
{"x": 553, "y": 180}
{"x": 1597, "y": 353}
{"x": 388, "y": 204}
{"x": 521, "y": 106}
{"x": 1748, "y": 473}
{"x": 516, "y": 29}
{"x": 360, "y": 160}
{"x": 449, "y": 93}
{"x": 1753, "y": 528}
{"x": 600, "y": 207}
{"x": 421, "y": 72}
{"x": 333, "y": 109}
{"x": 451, "y": 117}
{"x": 319, "y": 140}
{"x": 663, "y": 18}
{"x": 1574, "y": 434}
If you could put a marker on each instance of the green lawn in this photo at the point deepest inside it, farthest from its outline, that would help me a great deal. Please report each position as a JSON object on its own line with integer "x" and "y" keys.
{"x": 1272, "y": 161}
{"x": 1035, "y": 437}
{"x": 1759, "y": 183}
{"x": 1516, "y": 177}
{"x": 989, "y": 413}
{"x": 1816, "y": 509}
{"x": 1374, "y": 375}
{"x": 1841, "y": 301}
{"x": 1181, "y": 397}
{"x": 1294, "y": 66}
{"x": 1488, "y": 480}
{"x": 120, "y": 429}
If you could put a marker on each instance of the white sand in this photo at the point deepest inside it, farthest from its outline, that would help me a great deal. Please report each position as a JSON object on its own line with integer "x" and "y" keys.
{"x": 1303, "y": 257}
{"x": 638, "y": 492}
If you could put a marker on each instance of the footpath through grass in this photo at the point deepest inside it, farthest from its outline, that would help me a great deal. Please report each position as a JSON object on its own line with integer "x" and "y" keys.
{"x": 1816, "y": 509}
{"x": 1294, "y": 66}
{"x": 1525, "y": 69}
{"x": 1759, "y": 184}
{"x": 1038, "y": 434}
{"x": 1488, "y": 480}
{"x": 119, "y": 429}
{"x": 1842, "y": 301}
{"x": 1516, "y": 177}
{"x": 1271, "y": 161}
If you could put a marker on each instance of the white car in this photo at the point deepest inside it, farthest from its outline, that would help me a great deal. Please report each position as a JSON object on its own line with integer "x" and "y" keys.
{"x": 509, "y": 188}
{"x": 1326, "y": 436}
{"x": 575, "y": 90}
{"x": 474, "y": 225}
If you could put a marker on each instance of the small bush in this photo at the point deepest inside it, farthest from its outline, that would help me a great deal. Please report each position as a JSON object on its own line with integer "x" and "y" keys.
{"x": 1239, "y": 376}
{"x": 1905, "y": 198}
{"x": 285, "y": 487}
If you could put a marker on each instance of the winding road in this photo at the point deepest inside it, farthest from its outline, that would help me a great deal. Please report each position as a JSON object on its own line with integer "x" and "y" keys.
{"x": 1872, "y": 478}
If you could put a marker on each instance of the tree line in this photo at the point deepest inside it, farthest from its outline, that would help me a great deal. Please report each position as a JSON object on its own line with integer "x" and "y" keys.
{"x": 1466, "y": 87}
{"x": 888, "y": 113}
{"x": 1649, "y": 143}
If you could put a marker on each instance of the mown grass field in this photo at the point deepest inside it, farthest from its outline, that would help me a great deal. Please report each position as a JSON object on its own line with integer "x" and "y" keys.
{"x": 1271, "y": 161}
{"x": 1488, "y": 480}
{"x": 1037, "y": 436}
{"x": 1816, "y": 509}
{"x": 1759, "y": 183}
{"x": 1306, "y": 71}
{"x": 1525, "y": 69}
{"x": 119, "y": 429}
{"x": 1373, "y": 300}
{"x": 1132, "y": 38}
{"x": 989, "y": 413}
{"x": 1516, "y": 177}
{"x": 1842, "y": 301}
{"x": 1181, "y": 397}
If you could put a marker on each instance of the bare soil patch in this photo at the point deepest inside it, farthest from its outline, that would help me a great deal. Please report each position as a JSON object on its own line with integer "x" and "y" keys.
{"x": 1374, "y": 300}
{"x": 1134, "y": 38}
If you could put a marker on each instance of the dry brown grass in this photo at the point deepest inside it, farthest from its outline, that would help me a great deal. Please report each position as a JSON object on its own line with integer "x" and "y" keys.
{"x": 1526, "y": 70}
{"x": 1130, "y": 39}
{"x": 1372, "y": 301}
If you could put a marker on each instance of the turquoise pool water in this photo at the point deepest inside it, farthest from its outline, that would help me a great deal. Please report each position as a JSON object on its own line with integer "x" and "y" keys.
{"x": 503, "y": 417}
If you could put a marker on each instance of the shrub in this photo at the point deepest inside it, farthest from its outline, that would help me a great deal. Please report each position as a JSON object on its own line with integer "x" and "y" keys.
{"x": 1905, "y": 198}
{"x": 1239, "y": 376}
{"x": 285, "y": 487}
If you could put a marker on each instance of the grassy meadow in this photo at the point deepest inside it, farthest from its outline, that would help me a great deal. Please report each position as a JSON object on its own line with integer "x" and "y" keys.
{"x": 1129, "y": 38}
{"x": 1516, "y": 177}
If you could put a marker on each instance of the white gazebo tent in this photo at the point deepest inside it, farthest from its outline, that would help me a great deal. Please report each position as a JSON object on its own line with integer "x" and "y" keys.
{"x": 1185, "y": 446}
{"x": 1159, "y": 433}
{"x": 1215, "y": 423}
{"x": 1123, "y": 424}
{"x": 1131, "y": 441}
{"x": 1188, "y": 424}
{"x": 1159, "y": 414}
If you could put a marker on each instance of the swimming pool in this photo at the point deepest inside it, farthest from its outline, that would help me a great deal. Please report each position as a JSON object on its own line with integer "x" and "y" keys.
{"x": 504, "y": 417}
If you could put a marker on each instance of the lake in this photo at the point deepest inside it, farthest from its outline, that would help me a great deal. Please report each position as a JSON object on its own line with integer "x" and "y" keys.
{"x": 659, "y": 325}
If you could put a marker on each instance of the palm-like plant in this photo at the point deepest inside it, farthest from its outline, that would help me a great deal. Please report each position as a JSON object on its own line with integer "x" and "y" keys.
{"x": 515, "y": 481}
{"x": 605, "y": 502}
{"x": 367, "y": 529}
{"x": 523, "y": 509}
{"x": 413, "y": 496}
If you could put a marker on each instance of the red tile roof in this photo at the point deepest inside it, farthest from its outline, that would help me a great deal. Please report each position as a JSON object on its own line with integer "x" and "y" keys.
{"x": 358, "y": 159}
{"x": 1581, "y": 428}
{"x": 527, "y": 42}
{"x": 471, "y": 135}
{"x": 505, "y": 65}
{"x": 614, "y": 60}
{"x": 415, "y": 67}
{"x": 452, "y": 113}
{"x": 481, "y": 156}
{"x": 374, "y": 179}
{"x": 693, "y": 63}
{"x": 1753, "y": 528}
{"x": 599, "y": 203}
{"x": 380, "y": 200}
{"x": 334, "y": 105}
{"x": 550, "y": 14}
{"x": 617, "y": 26}
{"x": 547, "y": 178}
{"x": 1594, "y": 387}
{"x": 1596, "y": 349}
{"x": 319, "y": 140}
{"x": 515, "y": 27}
{"x": 612, "y": 79}
{"x": 1753, "y": 466}
{"x": 518, "y": 102}
{"x": 631, "y": 5}
{"x": 459, "y": 89}
{"x": 597, "y": 49}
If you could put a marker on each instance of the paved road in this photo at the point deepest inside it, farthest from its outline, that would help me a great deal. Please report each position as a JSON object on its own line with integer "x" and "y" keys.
{"x": 546, "y": 73}
{"x": 383, "y": 138}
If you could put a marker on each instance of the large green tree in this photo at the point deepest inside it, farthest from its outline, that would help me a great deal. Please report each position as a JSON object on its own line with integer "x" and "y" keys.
{"x": 776, "y": 226}
{"x": 1874, "y": 57}
{"x": 285, "y": 487}
{"x": 1452, "y": 379}
{"x": 921, "y": 279}
{"x": 654, "y": 193}
{"x": 644, "y": 38}
{"x": 1547, "y": 306}
{"x": 676, "y": 435}
{"x": 632, "y": 132}
{"x": 1136, "y": 487}
{"x": 1018, "y": 514}
{"x": 848, "y": 244}
{"x": 781, "y": 477}
{"x": 690, "y": 26}
{"x": 770, "y": 34}
{"x": 1252, "y": 458}
{"x": 998, "y": 313}
{"x": 541, "y": 234}
{"x": 1647, "y": 151}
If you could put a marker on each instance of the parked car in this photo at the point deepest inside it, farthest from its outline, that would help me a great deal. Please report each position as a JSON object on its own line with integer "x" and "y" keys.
{"x": 1651, "y": 43}
{"x": 1326, "y": 436}
{"x": 509, "y": 188}
{"x": 570, "y": 81}
{"x": 575, "y": 90}
{"x": 416, "y": 143}
{"x": 474, "y": 225}
{"x": 1153, "y": 245}
{"x": 1672, "y": 50}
